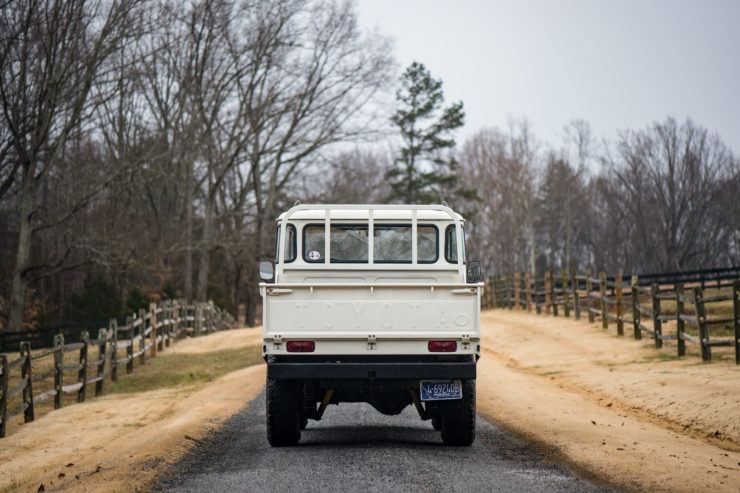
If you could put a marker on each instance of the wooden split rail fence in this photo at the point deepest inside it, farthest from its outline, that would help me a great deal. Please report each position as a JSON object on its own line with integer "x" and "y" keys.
{"x": 117, "y": 347}
{"x": 627, "y": 304}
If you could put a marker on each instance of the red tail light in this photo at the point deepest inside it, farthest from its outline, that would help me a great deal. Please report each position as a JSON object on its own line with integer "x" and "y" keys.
{"x": 442, "y": 346}
{"x": 300, "y": 346}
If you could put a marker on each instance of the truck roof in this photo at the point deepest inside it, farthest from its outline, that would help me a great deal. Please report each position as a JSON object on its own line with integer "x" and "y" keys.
{"x": 362, "y": 212}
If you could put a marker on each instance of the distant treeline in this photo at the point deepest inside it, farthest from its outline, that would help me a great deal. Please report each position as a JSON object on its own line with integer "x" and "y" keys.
{"x": 153, "y": 143}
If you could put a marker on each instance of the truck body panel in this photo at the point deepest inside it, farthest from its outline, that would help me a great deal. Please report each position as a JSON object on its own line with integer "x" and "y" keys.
{"x": 349, "y": 318}
{"x": 371, "y": 303}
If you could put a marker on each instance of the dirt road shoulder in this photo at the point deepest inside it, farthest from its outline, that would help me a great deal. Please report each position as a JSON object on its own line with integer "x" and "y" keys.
{"x": 602, "y": 404}
{"x": 121, "y": 442}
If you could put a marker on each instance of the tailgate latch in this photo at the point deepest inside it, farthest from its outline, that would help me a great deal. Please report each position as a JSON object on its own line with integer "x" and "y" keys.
{"x": 277, "y": 342}
{"x": 465, "y": 341}
{"x": 371, "y": 342}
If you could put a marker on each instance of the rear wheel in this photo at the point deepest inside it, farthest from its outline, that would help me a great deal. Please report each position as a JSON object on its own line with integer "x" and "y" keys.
{"x": 283, "y": 411}
{"x": 458, "y": 417}
{"x": 437, "y": 423}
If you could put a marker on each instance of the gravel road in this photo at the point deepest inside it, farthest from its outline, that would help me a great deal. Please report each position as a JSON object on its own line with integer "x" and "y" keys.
{"x": 356, "y": 448}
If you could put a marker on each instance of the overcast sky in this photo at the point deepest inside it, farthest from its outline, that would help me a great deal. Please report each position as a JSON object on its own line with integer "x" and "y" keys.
{"x": 619, "y": 64}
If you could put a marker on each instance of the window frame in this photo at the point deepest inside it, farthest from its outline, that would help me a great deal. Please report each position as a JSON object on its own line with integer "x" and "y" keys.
{"x": 294, "y": 251}
{"x": 437, "y": 239}
{"x": 462, "y": 235}
{"x": 405, "y": 225}
{"x": 330, "y": 261}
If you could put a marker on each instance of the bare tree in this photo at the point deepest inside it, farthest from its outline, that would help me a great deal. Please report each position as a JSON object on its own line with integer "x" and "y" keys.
{"x": 354, "y": 177}
{"x": 51, "y": 57}
{"x": 665, "y": 185}
{"x": 562, "y": 213}
{"x": 500, "y": 167}
{"x": 313, "y": 77}
{"x": 578, "y": 141}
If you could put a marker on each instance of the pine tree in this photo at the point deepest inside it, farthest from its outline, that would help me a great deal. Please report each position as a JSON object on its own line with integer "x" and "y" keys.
{"x": 424, "y": 172}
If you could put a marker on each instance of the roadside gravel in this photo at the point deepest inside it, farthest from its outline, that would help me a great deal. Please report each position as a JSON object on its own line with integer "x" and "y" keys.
{"x": 355, "y": 448}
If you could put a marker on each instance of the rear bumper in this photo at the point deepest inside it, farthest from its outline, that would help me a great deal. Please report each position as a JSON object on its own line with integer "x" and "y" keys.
{"x": 369, "y": 370}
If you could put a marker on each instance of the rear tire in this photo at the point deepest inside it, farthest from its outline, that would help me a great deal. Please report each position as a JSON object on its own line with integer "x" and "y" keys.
{"x": 283, "y": 403}
{"x": 437, "y": 423}
{"x": 458, "y": 417}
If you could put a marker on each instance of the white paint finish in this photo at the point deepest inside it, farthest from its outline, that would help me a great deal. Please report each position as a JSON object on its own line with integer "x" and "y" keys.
{"x": 383, "y": 308}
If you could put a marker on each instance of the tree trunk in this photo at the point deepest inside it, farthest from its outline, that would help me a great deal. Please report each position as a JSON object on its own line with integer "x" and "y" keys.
{"x": 532, "y": 246}
{"x": 235, "y": 291}
{"x": 251, "y": 315}
{"x": 18, "y": 289}
{"x": 205, "y": 252}
{"x": 568, "y": 231}
{"x": 188, "y": 281}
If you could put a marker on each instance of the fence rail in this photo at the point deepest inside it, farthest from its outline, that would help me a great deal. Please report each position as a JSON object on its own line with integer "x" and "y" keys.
{"x": 117, "y": 347}
{"x": 613, "y": 300}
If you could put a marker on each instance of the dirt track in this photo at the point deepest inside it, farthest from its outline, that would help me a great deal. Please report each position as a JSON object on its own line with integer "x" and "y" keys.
{"x": 609, "y": 407}
{"x": 612, "y": 407}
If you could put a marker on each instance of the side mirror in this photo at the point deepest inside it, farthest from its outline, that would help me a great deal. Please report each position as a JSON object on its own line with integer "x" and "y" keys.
{"x": 267, "y": 270}
{"x": 474, "y": 271}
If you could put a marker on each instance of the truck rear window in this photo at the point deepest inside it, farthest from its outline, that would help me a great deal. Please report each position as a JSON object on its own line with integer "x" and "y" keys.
{"x": 451, "y": 244}
{"x": 290, "y": 245}
{"x": 349, "y": 243}
{"x": 392, "y": 244}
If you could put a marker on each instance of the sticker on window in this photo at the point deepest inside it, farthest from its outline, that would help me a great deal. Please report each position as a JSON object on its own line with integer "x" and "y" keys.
{"x": 314, "y": 255}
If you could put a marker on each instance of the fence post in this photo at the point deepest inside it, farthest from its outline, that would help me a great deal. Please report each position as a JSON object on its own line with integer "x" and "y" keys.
{"x": 59, "y": 367}
{"x": 153, "y": 325}
{"x": 657, "y": 323}
{"x": 130, "y": 347}
{"x": 528, "y": 294}
{"x": 142, "y": 332}
{"x": 566, "y": 300}
{"x": 576, "y": 298}
{"x": 589, "y": 303}
{"x": 636, "y": 308}
{"x": 113, "y": 327}
{"x": 602, "y": 292}
{"x": 701, "y": 317}
{"x": 506, "y": 292}
{"x": 553, "y": 297}
{"x": 736, "y": 306}
{"x": 492, "y": 284}
{"x": 162, "y": 322}
{"x": 102, "y": 357}
{"x": 620, "y": 311}
{"x": 176, "y": 311}
{"x": 82, "y": 373}
{"x": 516, "y": 290}
{"x": 4, "y": 390}
{"x": 27, "y": 375}
{"x": 167, "y": 322}
{"x": 680, "y": 325}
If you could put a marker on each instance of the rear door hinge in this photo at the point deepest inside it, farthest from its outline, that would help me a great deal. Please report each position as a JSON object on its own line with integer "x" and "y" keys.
{"x": 277, "y": 342}
{"x": 465, "y": 341}
{"x": 371, "y": 342}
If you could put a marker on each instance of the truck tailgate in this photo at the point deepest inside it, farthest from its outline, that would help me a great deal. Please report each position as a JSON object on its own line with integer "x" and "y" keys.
{"x": 371, "y": 313}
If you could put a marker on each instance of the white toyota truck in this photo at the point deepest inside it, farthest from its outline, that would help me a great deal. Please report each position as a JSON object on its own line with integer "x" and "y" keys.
{"x": 371, "y": 303}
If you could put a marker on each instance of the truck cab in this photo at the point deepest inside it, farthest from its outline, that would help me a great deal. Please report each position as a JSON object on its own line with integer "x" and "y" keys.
{"x": 371, "y": 303}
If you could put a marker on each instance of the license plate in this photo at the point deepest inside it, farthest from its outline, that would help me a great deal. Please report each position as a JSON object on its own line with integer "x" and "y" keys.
{"x": 440, "y": 390}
